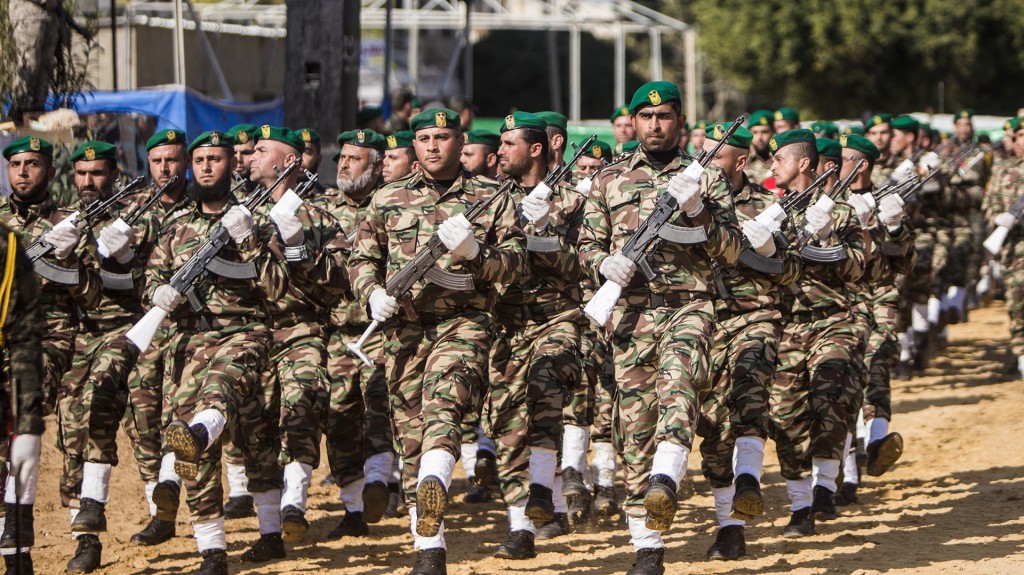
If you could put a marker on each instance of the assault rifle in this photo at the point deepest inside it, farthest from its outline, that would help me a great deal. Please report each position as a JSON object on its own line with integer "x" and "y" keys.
{"x": 994, "y": 242}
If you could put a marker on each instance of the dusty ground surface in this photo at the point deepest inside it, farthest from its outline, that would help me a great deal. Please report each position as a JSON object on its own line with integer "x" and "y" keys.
{"x": 954, "y": 504}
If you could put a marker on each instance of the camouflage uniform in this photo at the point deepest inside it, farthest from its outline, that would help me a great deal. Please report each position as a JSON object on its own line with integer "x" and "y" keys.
{"x": 968, "y": 191}
{"x": 1001, "y": 196}
{"x": 661, "y": 331}
{"x": 438, "y": 359}
{"x": 758, "y": 169}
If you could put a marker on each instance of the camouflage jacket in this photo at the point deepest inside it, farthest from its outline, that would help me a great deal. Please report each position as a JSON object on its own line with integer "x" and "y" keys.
{"x": 757, "y": 169}
{"x": 624, "y": 194}
{"x": 888, "y": 255}
{"x": 22, "y": 353}
{"x": 881, "y": 171}
{"x": 348, "y": 212}
{"x": 991, "y": 206}
{"x": 1006, "y": 190}
{"x": 401, "y": 219}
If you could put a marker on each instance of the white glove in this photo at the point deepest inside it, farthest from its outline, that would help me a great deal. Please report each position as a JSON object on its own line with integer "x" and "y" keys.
{"x": 382, "y": 306}
{"x": 930, "y": 161}
{"x": 819, "y": 221}
{"x": 760, "y": 238}
{"x": 618, "y": 268}
{"x": 1005, "y": 220}
{"x": 167, "y": 298}
{"x": 118, "y": 244}
{"x": 64, "y": 239}
{"x": 536, "y": 210}
{"x": 25, "y": 458}
{"x": 457, "y": 235}
{"x": 890, "y": 212}
{"x": 290, "y": 228}
{"x": 686, "y": 191}
{"x": 903, "y": 171}
{"x": 863, "y": 206}
{"x": 238, "y": 221}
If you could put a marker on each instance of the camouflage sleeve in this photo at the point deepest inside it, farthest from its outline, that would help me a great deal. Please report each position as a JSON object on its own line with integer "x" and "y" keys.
{"x": 564, "y": 227}
{"x": 502, "y": 257}
{"x": 368, "y": 261}
{"x": 595, "y": 233}
{"x": 159, "y": 264}
{"x": 324, "y": 273}
{"x": 848, "y": 232}
{"x": 719, "y": 218}
{"x": 88, "y": 291}
{"x": 792, "y": 263}
{"x": 22, "y": 335}
{"x": 272, "y": 272}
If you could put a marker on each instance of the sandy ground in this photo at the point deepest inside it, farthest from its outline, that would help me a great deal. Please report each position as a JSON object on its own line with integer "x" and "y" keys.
{"x": 954, "y": 504}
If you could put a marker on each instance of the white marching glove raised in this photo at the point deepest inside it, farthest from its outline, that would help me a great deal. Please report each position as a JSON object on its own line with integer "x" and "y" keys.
{"x": 864, "y": 205}
{"x": 686, "y": 191}
{"x": 118, "y": 244}
{"x": 382, "y": 306}
{"x": 890, "y": 212}
{"x": 760, "y": 238}
{"x": 1005, "y": 219}
{"x": 25, "y": 451}
{"x": 618, "y": 268}
{"x": 167, "y": 298}
{"x": 930, "y": 161}
{"x": 457, "y": 235}
{"x": 819, "y": 222}
{"x": 64, "y": 239}
{"x": 238, "y": 221}
{"x": 536, "y": 210}
{"x": 290, "y": 228}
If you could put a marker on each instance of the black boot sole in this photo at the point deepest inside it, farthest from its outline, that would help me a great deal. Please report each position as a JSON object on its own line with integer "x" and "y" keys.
{"x": 889, "y": 452}
{"x": 166, "y": 500}
{"x": 376, "y": 498}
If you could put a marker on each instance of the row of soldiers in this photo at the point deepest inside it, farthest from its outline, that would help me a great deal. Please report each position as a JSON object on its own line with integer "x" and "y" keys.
{"x": 752, "y": 317}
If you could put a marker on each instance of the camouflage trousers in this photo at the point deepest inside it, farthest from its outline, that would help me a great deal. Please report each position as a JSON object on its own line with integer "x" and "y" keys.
{"x": 218, "y": 370}
{"x": 357, "y": 420}
{"x": 92, "y": 401}
{"x": 1013, "y": 285}
{"x": 58, "y": 352}
{"x": 142, "y": 419}
{"x": 882, "y": 354}
{"x": 743, "y": 357}
{"x": 963, "y": 263}
{"x": 532, "y": 365}
{"x": 661, "y": 360}
{"x": 435, "y": 378}
{"x": 816, "y": 390}
{"x": 599, "y": 378}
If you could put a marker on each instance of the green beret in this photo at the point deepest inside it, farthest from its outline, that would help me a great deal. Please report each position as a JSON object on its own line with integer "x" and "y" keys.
{"x": 854, "y": 129}
{"x": 242, "y": 133}
{"x": 368, "y": 113}
{"x": 600, "y": 150}
{"x": 95, "y": 150}
{"x": 555, "y": 119}
{"x": 825, "y": 129}
{"x": 309, "y": 135}
{"x": 700, "y": 125}
{"x": 625, "y": 147}
{"x": 924, "y": 126}
{"x": 212, "y": 139}
{"x": 523, "y": 120}
{"x": 28, "y": 144}
{"x": 788, "y": 137}
{"x": 686, "y": 128}
{"x": 741, "y": 138}
{"x": 879, "y": 119}
{"x": 788, "y": 114}
{"x": 283, "y": 135}
{"x": 619, "y": 112}
{"x": 166, "y": 138}
{"x": 436, "y": 118}
{"x": 861, "y": 144}
{"x": 1013, "y": 124}
{"x": 482, "y": 137}
{"x": 829, "y": 148}
{"x": 760, "y": 118}
{"x": 363, "y": 139}
{"x": 401, "y": 139}
{"x": 905, "y": 123}
{"x": 654, "y": 94}
{"x": 963, "y": 113}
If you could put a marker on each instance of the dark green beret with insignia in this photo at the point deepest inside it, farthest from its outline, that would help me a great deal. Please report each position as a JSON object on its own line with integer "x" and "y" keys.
{"x": 482, "y": 137}
{"x": 905, "y": 124}
{"x": 860, "y": 144}
{"x": 825, "y": 129}
{"x": 760, "y": 118}
{"x": 166, "y": 138}
{"x": 309, "y": 135}
{"x": 368, "y": 113}
{"x": 686, "y": 128}
{"x": 924, "y": 126}
{"x": 741, "y": 138}
{"x": 878, "y": 120}
{"x": 436, "y": 118}
{"x": 242, "y": 133}
{"x": 555, "y": 119}
{"x": 829, "y": 147}
{"x": 788, "y": 137}
{"x": 95, "y": 150}
{"x": 283, "y": 135}
{"x": 788, "y": 114}
{"x": 523, "y": 120}
{"x": 401, "y": 139}
{"x": 963, "y": 113}
{"x": 1013, "y": 124}
{"x": 654, "y": 94}
{"x": 363, "y": 138}
{"x": 212, "y": 139}
{"x": 28, "y": 144}
{"x": 700, "y": 125}
{"x": 854, "y": 129}
{"x": 624, "y": 147}
{"x": 619, "y": 112}
{"x": 600, "y": 150}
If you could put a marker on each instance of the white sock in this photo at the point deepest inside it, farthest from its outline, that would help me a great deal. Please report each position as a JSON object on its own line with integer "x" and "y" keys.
{"x": 377, "y": 467}
{"x": 396, "y": 470}
{"x": 96, "y": 481}
{"x": 603, "y": 464}
{"x": 238, "y": 481}
{"x": 640, "y": 536}
{"x": 957, "y": 296}
{"x": 468, "y": 460}
{"x": 484, "y": 442}
{"x": 557, "y": 497}
{"x": 517, "y": 519}
{"x": 268, "y": 510}
{"x": 1020, "y": 364}
{"x": 878, "y": 428}
{"x": 28, "y": 492}
{"x": 919, "y": 313}
{"x": 826, "y": 472}
{"x": 575, "y": 440}
{"x": 439, "y": 463}
{"x": 167, "y": 472}
{"x": 297, "y": 477}
{"x": 210, "y": 534}
{"x": 850, "y": 472}
{"x": 543, "y": 465}
{"x": 723, "y": 506}
{"x": 670, "y": 460}
{"x": 906, "y": 341}
{"x": 74, "y": 513}
{"x": 934, "y": 311}
{"x": 862, "y": 426}
{"x": 748, "y": 457}
{"x": 149, "y": 498}
{"x": 799, "y": 491}
{"x": 213, "y": 421}
{"x": 352, "y": 496}
{"x": 419, "y": 542}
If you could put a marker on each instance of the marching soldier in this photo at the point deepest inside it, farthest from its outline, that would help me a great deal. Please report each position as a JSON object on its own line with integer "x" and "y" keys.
{"x": 244, "y": 136}
{"x": 480, "y": 153}
{"x": 558, "y": 138}
{"x": 785, "y": 119}
{"x": 759, "y": 161}
{"x": 310, "y": 158}
{"x": 622, "y": 126}
{"x": 399, "y": 157}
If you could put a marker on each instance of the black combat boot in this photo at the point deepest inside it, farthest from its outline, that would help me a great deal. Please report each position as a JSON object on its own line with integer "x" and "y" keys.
{"x": 847, "y": 494}
{"x": 431, "y": 503}
{"x": 239, "y": 507}
{"x": 801, "y": 524}
{"x": 517, "y": 545}
{"x": 352, "y": 525}
{"x": 166, "y": 497}
{"x": 215, "y": 562}
{"x": 729, "y": 544}
{"x": 155, "y": 533}
{"x": 747, "y": 502}
{"x": 884, "y": 453}
{"x": 268, "y": 546}
{"x": 604, "y": 502}
{"x": 430, "y": 562}
{"x": 91, "y": 517}
{"x": 558, "y": 526}
{"x": 823, "y": 507}
{"x": 648, "y": 562}
{"x": 577, "y": 496}
{"x": 11, "y": 562}
{"x": 18, "y": 517}
{"x": 660, "y": 502}
{"x": 293, "y": 524}
{"x": 486, "y": 468}
{"x": 376, "y": 498}
{"x": 87, "y": 556}
{"x": 188, "y": 443}
{"x": 540, "y": 507}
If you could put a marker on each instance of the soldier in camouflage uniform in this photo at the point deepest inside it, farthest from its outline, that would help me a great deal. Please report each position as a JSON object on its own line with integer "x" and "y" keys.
{"x": 622, "y": 125}
{"x": 661, "y": 329}
{"x": 734, "y": 414}
{"x": 759, "y": 161}
{"x": 438, "y": 353}
{"x": 399, "y": 157}
{"x": 244, "y": 136}
{"x": 480, "y": 153}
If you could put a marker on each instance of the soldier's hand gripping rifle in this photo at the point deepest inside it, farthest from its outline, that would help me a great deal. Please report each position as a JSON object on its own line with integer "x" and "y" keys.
{"x": 183, "y": 280}
{"x": 125, "y": 224}
{"x": 826, "y": 202}
{"x": 994, "y": 242}
{"x": 652, "y": 230}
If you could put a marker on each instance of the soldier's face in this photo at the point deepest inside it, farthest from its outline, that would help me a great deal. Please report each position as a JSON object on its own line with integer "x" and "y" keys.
{"x": 353, "y": 162}
{"x": 697, "y": 137}
{"x": 311, "y": 157}
{"x": 397, "y": 164}
{"x": 479, "y": 159}
{"x": 439, "y": 152}
{"x": 784, "y": 125}
{"x": 242, "y": 154}
{"x": 786, "y": 166}
{"x": 658, "y": 127}
{"x": 1018, "y": 143}
{"x": 94, "y": 179}
{"x": 622, "y": 127}
{"x": 761, "y": 136}
{"x": 587, "y": 166}
{"x": 901, "y": 141}
{"x": 269, "y": 154}
{"x": 728, "y": 158}
{"x": 29, "y": 173}
{"x": 880, "y": 136}
{"x": 167, "y": 161}
{"x": 212, "y": 166}
{"x": 964, "y": 129}
{"x": 516, "y": 156}
{"x": 824, "y": 164}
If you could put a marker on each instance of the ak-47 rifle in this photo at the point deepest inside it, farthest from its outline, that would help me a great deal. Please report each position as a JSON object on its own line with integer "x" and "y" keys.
{"x": 307, "y": 186}
{"x": 656, "y": 228}
{"x": 817, "y": 254}
{"x": 203, "y": 260}
{"x": 994, "y": 242}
